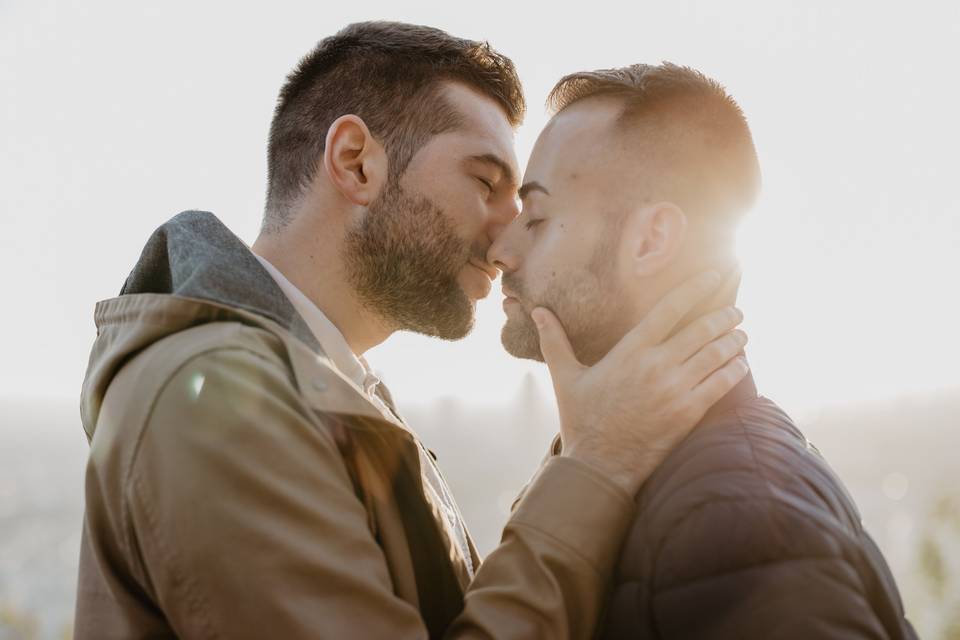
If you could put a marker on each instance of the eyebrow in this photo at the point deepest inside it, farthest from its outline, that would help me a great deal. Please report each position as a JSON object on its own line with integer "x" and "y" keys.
{"x": 533, "y": 185}
{"x": 498, "y": 162}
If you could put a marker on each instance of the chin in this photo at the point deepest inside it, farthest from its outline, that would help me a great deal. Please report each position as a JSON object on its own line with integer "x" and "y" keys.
{"x": 521, "y": 340}
{"x": 448, "y": 317}
{"x": 459, "y": 326}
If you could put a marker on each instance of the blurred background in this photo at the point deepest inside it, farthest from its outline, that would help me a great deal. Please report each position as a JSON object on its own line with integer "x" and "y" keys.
{"x": 115, "y": 115}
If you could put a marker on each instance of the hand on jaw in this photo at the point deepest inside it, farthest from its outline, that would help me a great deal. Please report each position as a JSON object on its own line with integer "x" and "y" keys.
{"x": 624, "y": 414}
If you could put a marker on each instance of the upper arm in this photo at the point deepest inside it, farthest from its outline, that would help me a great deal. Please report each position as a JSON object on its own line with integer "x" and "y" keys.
{"x": 245, "y": 516}
{"x": 756, "y": 566}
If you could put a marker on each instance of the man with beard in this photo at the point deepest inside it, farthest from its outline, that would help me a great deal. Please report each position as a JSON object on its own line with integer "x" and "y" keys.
{"x": 250, "y": 477}
{"x": 743, "y": 531}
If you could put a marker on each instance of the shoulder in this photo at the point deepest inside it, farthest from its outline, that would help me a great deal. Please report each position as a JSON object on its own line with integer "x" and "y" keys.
{"x": 232, "y": 380}
{"x": 224, "y": 380}
{"x": 754, "y": 453}
{"x": 745, "y": 488}
{"x": 175, "y": 369}
{"x": 251, "y": 348}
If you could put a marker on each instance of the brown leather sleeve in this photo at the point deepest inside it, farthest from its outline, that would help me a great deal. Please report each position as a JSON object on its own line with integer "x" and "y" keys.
{"x": 555, "y": 449}
{"x": 548, "y": 577}
{"x": 247, "y": 525}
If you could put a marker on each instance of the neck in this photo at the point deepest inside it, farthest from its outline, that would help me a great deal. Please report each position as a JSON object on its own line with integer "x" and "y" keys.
{"x": 705, "y": 250}
{"x": 724, "y": 296}
{"x": 315, "y": 268}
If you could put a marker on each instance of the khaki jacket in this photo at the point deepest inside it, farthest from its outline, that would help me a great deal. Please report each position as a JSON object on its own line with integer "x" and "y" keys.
{"x": 239, "y": 486}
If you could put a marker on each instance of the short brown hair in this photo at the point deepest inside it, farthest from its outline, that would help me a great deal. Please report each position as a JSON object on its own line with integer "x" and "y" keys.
{"x": 707, "y": 156}
{"x": 389, "y": 74}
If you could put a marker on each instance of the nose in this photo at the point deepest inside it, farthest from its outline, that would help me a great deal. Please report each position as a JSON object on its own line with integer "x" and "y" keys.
{"x": 504, "y": 253}
{"x": 501, "y": 217}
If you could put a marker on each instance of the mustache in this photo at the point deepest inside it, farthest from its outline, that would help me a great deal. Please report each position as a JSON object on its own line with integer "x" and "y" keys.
{"x": 513, "y": 282}
{"x": 479, "y": 253}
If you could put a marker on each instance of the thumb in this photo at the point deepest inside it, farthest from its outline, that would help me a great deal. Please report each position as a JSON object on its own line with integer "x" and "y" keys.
{"x": 554, "y": 345}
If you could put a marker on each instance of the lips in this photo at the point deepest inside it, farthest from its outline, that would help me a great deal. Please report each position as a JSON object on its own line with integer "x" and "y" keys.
{"x": 491, "y": 272}
{"x": 484, "y": 278}
{"x": 509, "y": 298}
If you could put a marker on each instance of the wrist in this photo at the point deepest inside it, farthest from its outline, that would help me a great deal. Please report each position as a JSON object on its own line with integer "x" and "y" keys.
{"x": 629, "y": 472}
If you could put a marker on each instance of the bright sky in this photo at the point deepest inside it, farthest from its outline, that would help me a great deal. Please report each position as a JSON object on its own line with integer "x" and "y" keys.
{"x": 116, "y": 115}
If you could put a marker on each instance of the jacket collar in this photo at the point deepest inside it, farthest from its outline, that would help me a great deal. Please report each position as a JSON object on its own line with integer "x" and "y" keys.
{"x": 194, "y": 255}
{"x": 194, "y": 270}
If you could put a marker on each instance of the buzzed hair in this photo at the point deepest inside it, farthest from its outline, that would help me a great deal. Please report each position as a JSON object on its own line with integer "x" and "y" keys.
{"x": 389, "y": 74}
{"x": 693, "y": 134}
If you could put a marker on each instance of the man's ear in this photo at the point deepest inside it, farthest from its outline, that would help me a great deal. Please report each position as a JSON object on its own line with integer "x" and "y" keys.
{"x": 655, "y": 235}
{"x": 355, "y": 163}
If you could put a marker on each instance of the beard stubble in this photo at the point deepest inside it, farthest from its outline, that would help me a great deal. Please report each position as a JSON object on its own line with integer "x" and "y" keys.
{"x": 403, "y": 259}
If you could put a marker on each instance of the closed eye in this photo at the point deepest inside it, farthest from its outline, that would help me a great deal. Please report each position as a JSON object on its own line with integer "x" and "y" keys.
{"x": 532, "y": 222}
{"x": 486, "y": 183}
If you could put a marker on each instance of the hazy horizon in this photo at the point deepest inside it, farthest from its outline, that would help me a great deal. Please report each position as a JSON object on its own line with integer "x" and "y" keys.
{"x": 896, "y": 457}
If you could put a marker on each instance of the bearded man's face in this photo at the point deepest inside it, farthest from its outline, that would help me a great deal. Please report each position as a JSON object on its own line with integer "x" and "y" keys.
{"x": 417, "y": 255}
{"x": 404, "y": 259}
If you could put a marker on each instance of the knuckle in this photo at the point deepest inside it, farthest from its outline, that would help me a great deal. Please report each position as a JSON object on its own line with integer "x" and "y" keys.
{"x": 673, "y": 307}
{"x": 656, "y": 362}
{"x": 672, "y": 385}
{"x": 733, "y": 316}
{"x": 716, "y": 351}
{"x": 731, "y": 343}
{"x": 712, "y": 326}
{"x": 734, "y": 372}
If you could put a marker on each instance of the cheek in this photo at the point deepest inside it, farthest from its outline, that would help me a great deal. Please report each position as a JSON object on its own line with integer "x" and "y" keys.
{"x": 554, "y": 254}
{"x": 541, "y": 275}
{"x": 458, "y": 199}
{"x": 466, "y": 212}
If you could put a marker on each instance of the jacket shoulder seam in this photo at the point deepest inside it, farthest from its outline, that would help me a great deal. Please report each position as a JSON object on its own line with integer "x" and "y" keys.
{"x": 758, "y": 467}
{"x": 804, "y": 557}
{"x": 129, "y": 480}
{"x": 161, "y": 388}
{"x": 829, "y": 528}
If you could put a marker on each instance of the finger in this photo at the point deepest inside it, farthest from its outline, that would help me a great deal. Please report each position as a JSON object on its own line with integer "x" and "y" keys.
{"x": 713, "y": 356}
{"x": 661, "y": 320}
{"x": 718, "y": 384}
{"x": 721, "y": 296}
{"x": 554, "y": 345}
{"x": 702, "y": 332}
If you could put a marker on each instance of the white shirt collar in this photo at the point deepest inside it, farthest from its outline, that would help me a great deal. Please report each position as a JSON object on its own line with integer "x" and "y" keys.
{"x": 357, "y": 369}
{"x": 330, "y": 338}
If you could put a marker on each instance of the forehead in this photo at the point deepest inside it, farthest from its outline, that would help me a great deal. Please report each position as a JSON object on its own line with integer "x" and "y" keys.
{"x": 579, "y": 142}
{"x": 486, "y": 128}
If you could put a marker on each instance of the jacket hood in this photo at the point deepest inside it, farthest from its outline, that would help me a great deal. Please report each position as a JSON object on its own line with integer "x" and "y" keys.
{"x": 193, "y": 270}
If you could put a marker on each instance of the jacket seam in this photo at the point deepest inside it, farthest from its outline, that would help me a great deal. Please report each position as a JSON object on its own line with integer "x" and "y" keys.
{"x": 653, "y": 592}
{"x": 660, "y": 544}
{"x": 753, "y": 453}
{"x": 771, "y": 496}
{"x": 129, "y": 481}
{"x": 163, "y": 387}
{"x": 195, "y": 599}
{"x": 566, "y": 546}
{"x": 757, "y": 565}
